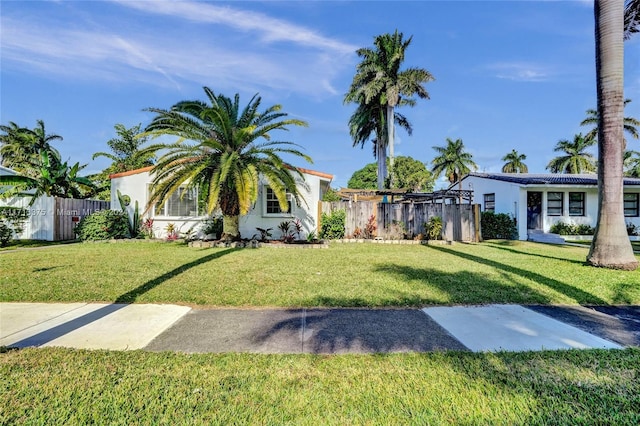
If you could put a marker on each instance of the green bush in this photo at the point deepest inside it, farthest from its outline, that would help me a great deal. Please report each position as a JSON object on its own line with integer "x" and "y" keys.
{"x": 103, "y": 225}
{"x": 433, "y": 228}
{"x": 6, "y": 233}
{"x": 498, "y": 226}
{"x": 333, "y": 225}
{"x": 562, "y": 228}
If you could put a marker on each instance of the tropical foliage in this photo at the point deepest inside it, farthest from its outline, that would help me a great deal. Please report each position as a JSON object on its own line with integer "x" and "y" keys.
{"x": 631, "y": 161}
{"x": 21, "y": 147}
{"x": 409, "y": 174}
{"x": 630, "y": 124}
{"x": 452, "y": 161}
{"x": 378, "y": 87}
{"x": 631, "y": 18}
{"x": 221, "y": 150}
{"x": 514, "y": 163}
{"x": 575, "y": 159}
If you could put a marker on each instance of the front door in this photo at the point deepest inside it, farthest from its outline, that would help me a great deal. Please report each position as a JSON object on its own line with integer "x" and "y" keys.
{"x": 534, "y": 210}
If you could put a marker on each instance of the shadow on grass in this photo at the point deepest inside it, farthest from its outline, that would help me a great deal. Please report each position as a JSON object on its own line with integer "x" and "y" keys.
{"x": 503, "y": 246}
{"x": 580, "y": 296}
{"x": 120, "y": 302}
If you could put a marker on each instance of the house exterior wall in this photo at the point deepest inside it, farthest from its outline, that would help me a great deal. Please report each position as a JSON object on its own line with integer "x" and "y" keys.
{"x": 137, "y": 185}
{"x": 511, "y": 198}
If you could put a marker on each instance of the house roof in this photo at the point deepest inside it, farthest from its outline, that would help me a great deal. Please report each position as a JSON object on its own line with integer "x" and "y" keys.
{"x": 149, "y": 168}
{"x": 547, "y": 179}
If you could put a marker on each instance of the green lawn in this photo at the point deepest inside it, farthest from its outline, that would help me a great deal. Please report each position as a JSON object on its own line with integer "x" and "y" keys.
{"x": 342, "y": 275}
{"x": 634, "y": 244}
{"x": 63, "y": 386}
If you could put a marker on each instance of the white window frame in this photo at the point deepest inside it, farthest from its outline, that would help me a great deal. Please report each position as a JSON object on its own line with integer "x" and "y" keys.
{"x": 162, "y": 211}
{"x": 265, "y": 200}
{"x": 490, "y": 202}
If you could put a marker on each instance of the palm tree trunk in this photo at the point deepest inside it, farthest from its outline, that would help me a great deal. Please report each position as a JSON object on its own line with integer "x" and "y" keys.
{"x": 231, "y": 227}
{"x": 391, "y": 135}
{"x": 381, "y": 154}
{"x": 611, "y": 247}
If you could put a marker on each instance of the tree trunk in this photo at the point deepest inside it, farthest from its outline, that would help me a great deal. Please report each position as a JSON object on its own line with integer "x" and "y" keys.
{"x": 231, "y": 227}
{"x": 381, "y": 154}
{"x": 391, "y": 135}
{"x": 610, "y": 247}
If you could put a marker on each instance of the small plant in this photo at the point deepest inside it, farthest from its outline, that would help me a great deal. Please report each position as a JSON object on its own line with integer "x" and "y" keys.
{"x": 146, "y": 229}
{"x": 6, "y": 233}
{"x": 265, "y": 234}
{"x": 212, "y": 225}
{"x": 297, "y": 227}
{"x": 134, "y": 221}
{"x": 172, "y": 232}
{"x": 103, "y": 225}
{"x": 395, "y": 230}
{"x": 433, "y": 228}
{"x": 370, "y": 228}
{"x": 285, "y": 229}
{"x": 311, "y": 237}
{"x": 632, "y": 230}
{"x": 14, "y": 217}
{"x": 332, "y": 226}
{"x": 357, "y": 233}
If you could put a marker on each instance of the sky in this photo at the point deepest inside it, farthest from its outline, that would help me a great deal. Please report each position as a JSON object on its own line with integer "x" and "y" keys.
{"x": 508, "y": 74}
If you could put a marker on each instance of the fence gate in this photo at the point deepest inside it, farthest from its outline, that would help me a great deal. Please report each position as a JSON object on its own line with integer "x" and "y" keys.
{"x": 68, "y": 212}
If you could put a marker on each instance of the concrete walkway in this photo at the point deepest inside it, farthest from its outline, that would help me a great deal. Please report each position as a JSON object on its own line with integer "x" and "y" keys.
{"x": 325, "y": 331}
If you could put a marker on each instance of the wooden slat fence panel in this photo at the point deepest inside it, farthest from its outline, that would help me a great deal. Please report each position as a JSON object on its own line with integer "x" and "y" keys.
{"x": 68, "y": 212}
{"x": 458, "y": 220}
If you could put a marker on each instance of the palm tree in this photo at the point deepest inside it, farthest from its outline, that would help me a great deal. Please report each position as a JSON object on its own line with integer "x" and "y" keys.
{"x": 21, "y": 147}
{"x": 222, "y": 150}
{"x": 631, "y": 163}
{"x": 514, "y": 163}
{"x": 127, "y": 153}
{"x": 55, "y": 179}
{"x": 631, "y": 18}
{"x": 610, "y": 247}
{"x": 575, "y": 160}
{"x": 380, "y": 82}
{"x": 630, "y": 124}
{"x": 453, "y": 161}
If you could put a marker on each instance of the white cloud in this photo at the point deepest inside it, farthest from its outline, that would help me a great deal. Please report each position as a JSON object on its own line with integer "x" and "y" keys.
{"x": 520, "y": 71}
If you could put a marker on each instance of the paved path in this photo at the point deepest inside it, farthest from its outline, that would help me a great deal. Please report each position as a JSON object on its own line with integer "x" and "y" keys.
{"x": 326, "y": 331}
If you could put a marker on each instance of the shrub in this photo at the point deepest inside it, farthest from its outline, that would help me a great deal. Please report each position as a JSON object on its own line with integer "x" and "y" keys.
{"x": 433, "y": 228}
{"x": 212, "y": 225}
{"x": 632, "y": 229}
{"x": 333, "y": 225}
{"x": 584, "y": 230}
{"x": 331, "y": 195}
{"x": 6, "y": 233}
{"x": 396, "y": 230}
{"x": 370, "y": 228}
{"x": 498, "y": 226}
{"x": 562, "y": 228}
{"x": 103, "y": 225}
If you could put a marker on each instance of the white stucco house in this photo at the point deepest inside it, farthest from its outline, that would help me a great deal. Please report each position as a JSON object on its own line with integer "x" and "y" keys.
{"x": 182, "y": 208}
{"x": 537, "y": 201}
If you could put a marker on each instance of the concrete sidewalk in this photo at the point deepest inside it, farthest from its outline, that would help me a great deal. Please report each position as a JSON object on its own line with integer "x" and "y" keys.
{"x": 325, "y": 331}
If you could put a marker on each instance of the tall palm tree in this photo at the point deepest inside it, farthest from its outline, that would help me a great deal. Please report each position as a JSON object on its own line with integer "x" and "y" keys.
{"x": 21, "y": 147}
{"x": 514, "y": 163}
{"x": 576, "y": 159}
{"x": 631, "y": 18}
{"x": 630, "y": 124}
{"x": 378, "y": 80}
{"x": 631, "y": 163}
{"x": 610, "y": 246}
{"x": 223, "y": 149}
{"x": 453, "y": 161}
{"x": 127, "y": 150}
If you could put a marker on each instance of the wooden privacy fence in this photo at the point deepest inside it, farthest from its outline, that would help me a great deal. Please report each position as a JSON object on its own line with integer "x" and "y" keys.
{"x": 460, "y": 222}
{"x": 69, "y": 211}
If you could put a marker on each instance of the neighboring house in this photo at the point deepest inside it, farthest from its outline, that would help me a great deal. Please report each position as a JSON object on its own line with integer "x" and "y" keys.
{"x": 537, "y": 201}
{"x": 183, "y": 211}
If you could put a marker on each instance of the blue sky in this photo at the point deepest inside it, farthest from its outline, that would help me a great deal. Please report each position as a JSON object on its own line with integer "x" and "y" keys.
{"x": 508, "y": 74}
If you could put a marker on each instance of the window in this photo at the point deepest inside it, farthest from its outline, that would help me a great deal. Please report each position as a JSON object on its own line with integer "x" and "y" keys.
{"x": 576, "y": 204}
{"x": 272, "y": 205}
{"x": 554, "y": 203}
{"x": 631, "y": 205}
{"x": 489, "y": 202}
{"x": 183, "y": 202}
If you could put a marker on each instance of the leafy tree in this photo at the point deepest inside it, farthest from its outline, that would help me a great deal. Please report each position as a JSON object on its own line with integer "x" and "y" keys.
{"x": 21, "y": 147}
{"x": 610, "y": 246}
{"x": 453, "y": 161}
{"x": 410, "y": 174}
{"x": 630, "y": 124}
{"x": 576, "y": 159}
{"x": 378, "y": 88}
{"x": 331, "y": 195}
{"x": 222, "y": 149}
{"x": 365, "y": 178}
{"x": 514, "y": 163}
{"x": 55, "y": 179}
{"x": 631, "y": 162}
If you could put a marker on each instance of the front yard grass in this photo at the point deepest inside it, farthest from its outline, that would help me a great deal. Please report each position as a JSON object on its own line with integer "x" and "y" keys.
{"x": 346, "y": 275}
{"x": 64, "y": 386}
